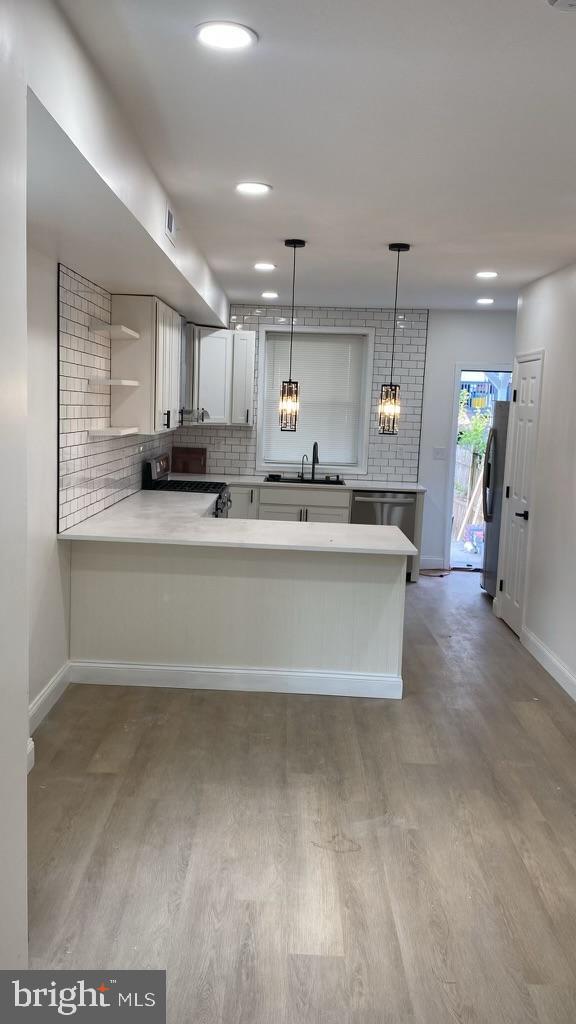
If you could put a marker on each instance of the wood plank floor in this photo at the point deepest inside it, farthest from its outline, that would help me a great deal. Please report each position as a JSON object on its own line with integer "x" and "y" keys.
{"x": 315, "y": 860}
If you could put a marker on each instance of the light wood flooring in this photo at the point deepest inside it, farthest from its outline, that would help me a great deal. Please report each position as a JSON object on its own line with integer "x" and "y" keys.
{"x": 317, "y": 860}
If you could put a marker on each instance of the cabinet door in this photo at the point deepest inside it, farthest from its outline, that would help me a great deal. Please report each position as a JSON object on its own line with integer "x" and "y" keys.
{"x": 162, "y": 390}
{"x": 317, "y": 514}
{"x": 244, "y": 503}
{"x": 176, "y": 367}
{"x": 283, "y": 513}
{"x": 168, "y": 358}
{"x": 243, "y": 378}
{"x": 213, "y": 375}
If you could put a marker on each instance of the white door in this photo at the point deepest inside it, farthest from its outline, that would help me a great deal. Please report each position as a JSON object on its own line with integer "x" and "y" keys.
{"x": 243, "y": 378}
{"x": 161, "y": 406}
{"x": 520, "y": 452}
{"x": 213, "y": 372}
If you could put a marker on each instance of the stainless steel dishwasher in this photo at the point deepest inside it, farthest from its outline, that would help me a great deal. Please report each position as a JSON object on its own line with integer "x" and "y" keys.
{"x": 386, "y": 508}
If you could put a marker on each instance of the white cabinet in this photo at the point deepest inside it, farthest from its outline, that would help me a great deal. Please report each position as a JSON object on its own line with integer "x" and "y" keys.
{"x": 300, "y": 504}
{"x": 168, "y": 362}
{"x": 150, "y": 361}
{"x": 244, "y": 502}
{"x": 213, "y": 375}
{"x": 223, "y": 377}
{"x": 244, "y": 348}
{"x": 284, "y": 513}
{"x": 326, "y": 515}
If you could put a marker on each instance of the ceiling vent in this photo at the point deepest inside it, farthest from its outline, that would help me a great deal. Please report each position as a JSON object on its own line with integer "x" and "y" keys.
{"x": 563, "y": 5}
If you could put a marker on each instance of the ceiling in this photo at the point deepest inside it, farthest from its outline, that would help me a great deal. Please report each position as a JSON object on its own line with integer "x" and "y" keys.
{"x": 444, "y": 123}
{"x": 76, "y": 219}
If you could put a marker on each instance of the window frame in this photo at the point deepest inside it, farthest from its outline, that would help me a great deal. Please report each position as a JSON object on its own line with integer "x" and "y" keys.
{"x": 361, "y": 465}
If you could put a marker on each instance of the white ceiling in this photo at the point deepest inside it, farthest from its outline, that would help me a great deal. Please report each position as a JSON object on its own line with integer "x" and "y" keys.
{"x": 445, "y": 123}
{"x": 76, "y": 219}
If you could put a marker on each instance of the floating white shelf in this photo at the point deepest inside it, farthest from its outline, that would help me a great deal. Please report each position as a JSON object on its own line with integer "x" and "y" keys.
{"x": 114, "y": 432}
{"x": 115, "y": 382}
{"x": 116, "y": 332}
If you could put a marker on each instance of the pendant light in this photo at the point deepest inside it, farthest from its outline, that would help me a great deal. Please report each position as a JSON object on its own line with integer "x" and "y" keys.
{"x": 289, "y": 395}
{"x": 389, "y": 408}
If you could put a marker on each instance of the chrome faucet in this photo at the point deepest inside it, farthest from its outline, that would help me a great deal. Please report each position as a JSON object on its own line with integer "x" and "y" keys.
{"x": 302, "y": 467}
{"x": 315, "y": 459}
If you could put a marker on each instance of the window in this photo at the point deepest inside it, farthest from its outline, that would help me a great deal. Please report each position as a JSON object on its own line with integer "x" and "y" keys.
{"x": 331, "y": 369}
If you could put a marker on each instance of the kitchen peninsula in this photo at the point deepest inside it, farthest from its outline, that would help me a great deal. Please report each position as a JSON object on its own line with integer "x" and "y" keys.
{"x": 163, "y": 594}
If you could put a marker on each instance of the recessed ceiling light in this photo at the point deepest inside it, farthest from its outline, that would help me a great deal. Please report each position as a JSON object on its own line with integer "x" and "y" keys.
{"x": 225, "y": 35}
{"x": 484, "y": 302}
{"x": 257, "y": 311}
{"x": 233, "y": 318}
{"x": 486, "y": 274}
{"x": 269, "y": 295}
{"x": 253, "y": 188}
{"x": 281, "y": 319}
{"x": 264, "y": 266}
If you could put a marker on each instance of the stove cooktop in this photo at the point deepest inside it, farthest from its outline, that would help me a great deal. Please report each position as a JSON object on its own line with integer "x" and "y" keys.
{"x": 197, "y": 486}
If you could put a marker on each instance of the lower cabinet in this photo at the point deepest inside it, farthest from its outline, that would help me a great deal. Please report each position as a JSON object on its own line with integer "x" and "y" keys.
{"x": 326, "y": 515}
{"x": 298, "y": 504}
{"x": 244, "y": 503}
{"x": 284, "y": 513}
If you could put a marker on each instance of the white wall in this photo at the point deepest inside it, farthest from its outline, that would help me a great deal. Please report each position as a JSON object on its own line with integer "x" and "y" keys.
{"x": 63, "y": 78}
{"x": 547, "y": 319}
{"x": 13, "y": 577}
{"x": 49, "y": 561}
{"x": 486, "y": 337}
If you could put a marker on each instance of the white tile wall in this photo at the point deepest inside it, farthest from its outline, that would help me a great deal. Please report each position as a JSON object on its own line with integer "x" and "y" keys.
{"x": 232, "y": 450}
{"x": 93, "y": 473}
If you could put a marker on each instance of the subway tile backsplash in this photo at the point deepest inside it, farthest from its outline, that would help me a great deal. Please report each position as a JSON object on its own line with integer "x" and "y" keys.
{"x": 94, "y": 473}
{"x": 232, "y": 450}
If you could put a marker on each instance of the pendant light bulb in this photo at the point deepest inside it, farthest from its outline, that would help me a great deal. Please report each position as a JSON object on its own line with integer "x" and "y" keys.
{"x": 389, "y": 407}
{"x": 289, "y": 406}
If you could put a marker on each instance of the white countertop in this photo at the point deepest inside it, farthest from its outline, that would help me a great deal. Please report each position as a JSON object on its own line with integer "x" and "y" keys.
{"x": 170, "y": 517}
{"x": 348, "y": 485}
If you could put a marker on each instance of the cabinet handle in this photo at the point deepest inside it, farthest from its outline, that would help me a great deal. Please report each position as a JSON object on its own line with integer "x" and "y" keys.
{"x": 300, "y": 516}
{"x": 306, "y": 514}
{"x": 251, "y": 495}
{"x": 181, "y": 418}
{"x": 247, "y": 415}
{"x": 167, "y": 419}
{"x": 202, "y": 415}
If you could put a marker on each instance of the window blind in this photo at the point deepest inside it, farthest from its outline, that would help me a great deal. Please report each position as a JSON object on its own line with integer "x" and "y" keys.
{"x": 330, "y": 371}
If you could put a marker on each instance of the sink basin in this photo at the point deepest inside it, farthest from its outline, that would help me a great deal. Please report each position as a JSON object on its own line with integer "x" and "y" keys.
{"x": 277, "y": 478}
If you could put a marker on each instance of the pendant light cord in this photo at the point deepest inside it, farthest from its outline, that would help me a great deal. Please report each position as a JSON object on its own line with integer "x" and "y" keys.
{"x": 292, "y": 316}
{"x": 395, "y": 315}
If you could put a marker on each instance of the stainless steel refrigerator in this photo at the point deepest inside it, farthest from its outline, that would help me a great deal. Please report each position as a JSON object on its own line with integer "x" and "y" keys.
{"x": 493, "y": 494}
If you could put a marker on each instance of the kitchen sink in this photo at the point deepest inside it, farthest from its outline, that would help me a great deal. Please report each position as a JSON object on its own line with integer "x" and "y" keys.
{"x": 277, "y": 478}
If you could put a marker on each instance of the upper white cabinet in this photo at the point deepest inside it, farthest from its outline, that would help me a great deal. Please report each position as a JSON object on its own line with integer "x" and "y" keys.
{"x": 243, "y": 355}
{"x": 151, "y": 362}
{"x": 223, "y": 377}
{"x": 213, "y": 352}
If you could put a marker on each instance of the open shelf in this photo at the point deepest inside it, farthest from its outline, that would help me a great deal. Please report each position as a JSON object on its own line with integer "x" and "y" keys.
{"x": 103, "y": 432}
{"x": 116, "y": 332}
{"x": 115, "y": 382}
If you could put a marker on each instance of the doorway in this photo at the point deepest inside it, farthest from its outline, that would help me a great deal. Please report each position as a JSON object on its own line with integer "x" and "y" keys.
{"x": 477, "y": 392}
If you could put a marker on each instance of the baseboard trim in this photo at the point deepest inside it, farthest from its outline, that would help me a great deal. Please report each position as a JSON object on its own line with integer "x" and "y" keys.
{"x": 432, "y": 562}
{"x": 557, "y": 669}
{"x": 30, "y": 754}
{"x": 48, "y": 697}
{"x": 339, "y": 684}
